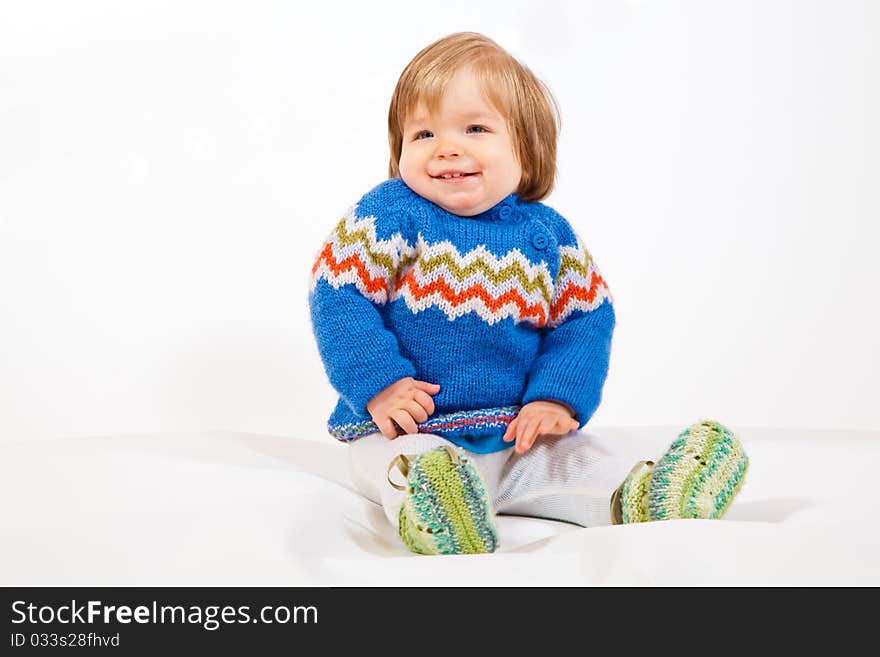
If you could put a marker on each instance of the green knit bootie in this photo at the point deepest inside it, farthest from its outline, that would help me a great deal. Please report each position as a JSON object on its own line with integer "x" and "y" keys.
{"x": 697, "y": 477}
{"x": 446, "y": 510}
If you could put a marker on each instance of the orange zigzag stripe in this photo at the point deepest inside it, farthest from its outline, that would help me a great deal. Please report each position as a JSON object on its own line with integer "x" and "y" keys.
{"x": 474, "y": 291}
{"x": 353, "y": 261}
{"x": 573, "y": 291}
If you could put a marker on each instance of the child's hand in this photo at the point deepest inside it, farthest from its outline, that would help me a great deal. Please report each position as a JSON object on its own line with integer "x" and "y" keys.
{"x": 539, "y": 418}
{"x": 406, "y": 402}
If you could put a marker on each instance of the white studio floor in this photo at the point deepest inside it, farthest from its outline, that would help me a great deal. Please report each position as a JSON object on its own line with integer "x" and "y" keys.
{"x": 239, "y": 509}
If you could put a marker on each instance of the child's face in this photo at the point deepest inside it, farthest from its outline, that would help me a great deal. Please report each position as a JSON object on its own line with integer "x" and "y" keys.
{"x": 467, "y": 135}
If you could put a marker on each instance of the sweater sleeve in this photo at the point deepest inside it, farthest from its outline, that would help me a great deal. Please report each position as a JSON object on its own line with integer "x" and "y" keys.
{"x": 352, "y": 279}
{"x": 572, "y": 362}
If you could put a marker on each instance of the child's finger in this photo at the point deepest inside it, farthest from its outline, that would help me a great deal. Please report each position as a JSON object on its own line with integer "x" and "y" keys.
{"x": 560, "y": 426}
{"x": 415, "y": 409}
{"x": 527, "y": 441}
{"x": 510, "y": 434}
{"x": 544, "y": 427}
{"x": 386, "y": 427}
{"x": 424, "y": 400}
{"x": 404, "y": 421}
{"x": 548, "y": 427}
{"x": 430, "y": 388}
{"x": 526, "y": 435}
{"x": 522, "y": 427}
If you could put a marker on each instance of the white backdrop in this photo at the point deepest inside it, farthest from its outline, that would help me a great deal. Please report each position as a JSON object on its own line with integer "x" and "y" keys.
{"x": 168, "y": 171}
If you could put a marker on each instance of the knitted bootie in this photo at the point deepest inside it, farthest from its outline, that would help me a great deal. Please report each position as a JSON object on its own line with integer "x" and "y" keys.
{"x": 446, "y": 509}
{"x": 697, "y": 477}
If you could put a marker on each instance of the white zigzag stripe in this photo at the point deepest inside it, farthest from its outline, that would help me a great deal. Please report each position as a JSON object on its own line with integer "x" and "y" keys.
{"x": 349, "y": 276}
{"x": 581, "y": 304}
{"x": 396, "y": 247}
{"x": 575, "y": 303}
{"x": 574, "y": 276}
{"x": 512, "y": 283}
{"x": 480, "y": 253}
{"x": 471, "y": 305}
{"x": 576, "y": 252}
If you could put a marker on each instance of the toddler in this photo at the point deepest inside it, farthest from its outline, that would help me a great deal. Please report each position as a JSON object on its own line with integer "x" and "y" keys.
{"x": 467, "y": 329}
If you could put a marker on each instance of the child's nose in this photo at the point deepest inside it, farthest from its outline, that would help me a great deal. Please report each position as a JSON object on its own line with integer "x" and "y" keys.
{"x": 448, "y": 148}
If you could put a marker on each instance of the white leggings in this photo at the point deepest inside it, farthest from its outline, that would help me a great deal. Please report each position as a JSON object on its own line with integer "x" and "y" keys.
{"x": 569, "y": 478}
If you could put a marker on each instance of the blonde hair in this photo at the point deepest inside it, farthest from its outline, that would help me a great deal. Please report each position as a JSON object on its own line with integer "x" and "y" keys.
{"x": 530, "y": 109}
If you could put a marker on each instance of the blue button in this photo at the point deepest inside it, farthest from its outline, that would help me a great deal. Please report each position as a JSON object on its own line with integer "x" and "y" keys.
{"x": 505, "y": 212}
{"x": 540, "y": 241}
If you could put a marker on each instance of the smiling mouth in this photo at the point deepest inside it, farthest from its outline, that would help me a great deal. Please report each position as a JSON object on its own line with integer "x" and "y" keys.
{"x": 455, "y": 176}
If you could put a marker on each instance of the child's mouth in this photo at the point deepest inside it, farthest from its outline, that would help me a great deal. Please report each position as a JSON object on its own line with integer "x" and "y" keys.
{"x": 455, "y": 178}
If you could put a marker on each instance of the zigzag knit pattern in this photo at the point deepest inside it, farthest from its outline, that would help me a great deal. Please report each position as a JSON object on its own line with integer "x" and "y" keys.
{"x": 475, "y": 282}
{"x": 579, "y": 284}
{"x": 499, "y": 309}
{"x": 446, "y": 509}
{"x": 697, "y": 477}
{"x": 353, "y": 254}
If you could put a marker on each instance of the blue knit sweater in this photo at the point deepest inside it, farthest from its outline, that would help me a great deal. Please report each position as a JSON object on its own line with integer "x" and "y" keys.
{"x": 499, "y": 309}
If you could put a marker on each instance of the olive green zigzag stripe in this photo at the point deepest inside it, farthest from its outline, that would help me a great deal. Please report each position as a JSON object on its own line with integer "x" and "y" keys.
{"x": 513, "y": 270}
{"x": 580, "y": 265}
{"x": 377, "y": 258}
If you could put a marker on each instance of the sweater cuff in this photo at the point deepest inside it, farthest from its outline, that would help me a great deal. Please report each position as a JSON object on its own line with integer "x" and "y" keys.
{"x": 583, "y": 405}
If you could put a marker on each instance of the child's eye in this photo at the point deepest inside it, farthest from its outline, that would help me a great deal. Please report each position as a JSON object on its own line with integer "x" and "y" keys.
{"x": 424, "y": 134}
{"x": 478, "y": 128}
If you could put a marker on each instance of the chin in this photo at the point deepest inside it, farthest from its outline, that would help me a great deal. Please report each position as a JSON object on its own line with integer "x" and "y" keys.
{"x": 461, "y": 205}
{"x": 458, "y": 204}
{"x": 463, "y": 209}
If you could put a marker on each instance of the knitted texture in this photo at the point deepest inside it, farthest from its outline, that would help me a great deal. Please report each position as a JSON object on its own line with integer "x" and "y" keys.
{"x": 697, "y": 477}
{"x": 499, "y": 309}
{"x": 477, "y": 422}
{"x": 634, "y": 494}
{"x": 446, "y": 509}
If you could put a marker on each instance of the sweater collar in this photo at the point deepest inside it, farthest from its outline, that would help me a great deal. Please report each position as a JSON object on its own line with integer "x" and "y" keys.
{"x": 507, "y": 210}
